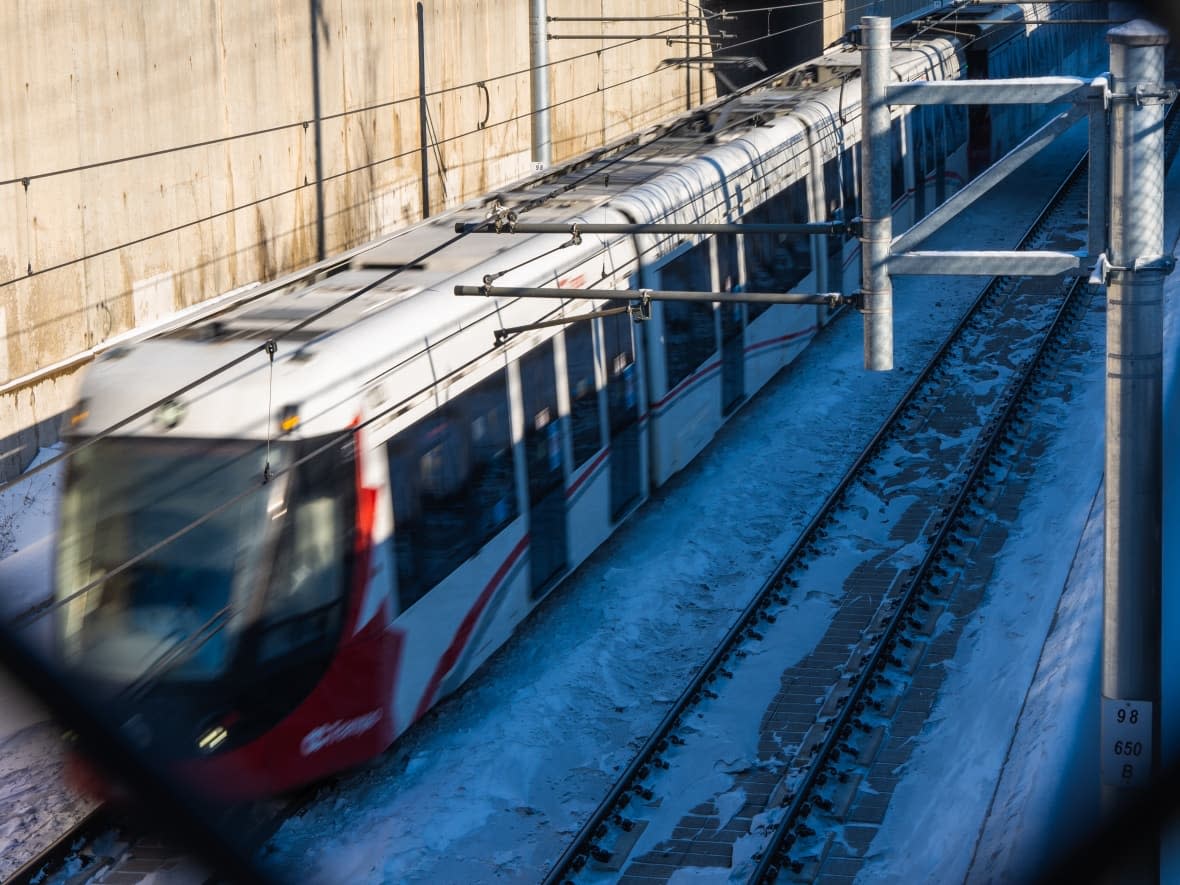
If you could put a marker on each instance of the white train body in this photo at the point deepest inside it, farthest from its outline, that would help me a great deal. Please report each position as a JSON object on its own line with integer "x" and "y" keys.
{"x": 484, "y": 472}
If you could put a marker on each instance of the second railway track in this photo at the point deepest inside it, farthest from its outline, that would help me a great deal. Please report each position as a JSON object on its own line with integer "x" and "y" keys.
{"x": 874, "y": 553}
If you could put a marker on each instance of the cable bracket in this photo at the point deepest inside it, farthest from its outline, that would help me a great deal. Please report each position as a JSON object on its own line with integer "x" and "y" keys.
{"x": 502, "y": 219}
{"x": 640, "y": 310}
{"x": 1144, "y": 95}
{"x": 1164, "y": 264}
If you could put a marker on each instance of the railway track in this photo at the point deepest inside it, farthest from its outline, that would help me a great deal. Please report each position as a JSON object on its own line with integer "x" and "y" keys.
{"x": 877, "y": 554}
{"x": 84, "y": 851}
{"x": 110, "y": 846}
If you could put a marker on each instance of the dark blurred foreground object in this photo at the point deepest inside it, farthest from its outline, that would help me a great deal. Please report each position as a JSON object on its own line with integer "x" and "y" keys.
{"x": 181, "y": 815}
{"x": 1103, "y": 852}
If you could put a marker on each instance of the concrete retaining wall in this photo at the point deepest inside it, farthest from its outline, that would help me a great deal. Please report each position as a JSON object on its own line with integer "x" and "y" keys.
{"x": 157, "y": 154}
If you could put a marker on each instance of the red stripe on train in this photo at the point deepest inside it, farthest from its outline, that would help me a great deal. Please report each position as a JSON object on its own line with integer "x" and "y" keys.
{"x": 463, "y": 634}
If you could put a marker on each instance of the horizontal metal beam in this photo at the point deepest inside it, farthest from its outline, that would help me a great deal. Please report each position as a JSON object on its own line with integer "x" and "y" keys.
{"x": 667, "y": 19}
{"x": 574, "y": 227}
{"x": 668, "y": 38}
{"x": 951, "y": 22}
{"x": 986, "y": 264}
{"x": 641, "y": 295}
{"x": 745, "y": 61}
{"x": 1019, "y": 90}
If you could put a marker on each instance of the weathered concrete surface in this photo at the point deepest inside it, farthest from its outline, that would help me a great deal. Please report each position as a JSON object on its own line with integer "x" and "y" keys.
{"x": 160, "y": 154}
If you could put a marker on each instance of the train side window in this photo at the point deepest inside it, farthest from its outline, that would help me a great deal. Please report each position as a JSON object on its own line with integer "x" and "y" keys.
{"x": 850, "y": 164}
{"x": 585, "y": 421}
{"x": 832, "y": 194}
{"x": 777, "y": 262}
{"x": 453, "y": 486}
{"x": 897, "y": 160}
{"x": 956, "y": 119}
{"x": 727, "y": 263}
{"x": 619, "y": 343}
{"x": 493, "y": 489}
{"x": 690, "y": 335}
{"x": 303, "y": 603}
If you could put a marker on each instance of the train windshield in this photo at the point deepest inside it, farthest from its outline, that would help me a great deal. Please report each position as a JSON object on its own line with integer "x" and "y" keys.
{"x": 157, "y": 601}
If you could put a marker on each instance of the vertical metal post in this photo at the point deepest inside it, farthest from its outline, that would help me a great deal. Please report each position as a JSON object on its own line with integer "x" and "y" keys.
{"x": 423, "y": 119}
{"x": 539, "y": 80}
{"x": 703, "y": 33}
{"x": 876, "y": 200}
{"x": 1134, "y": 376}
{"x": 1099, "y": 176}
{"x": 316, "y": 114}
{"x": 687, "y": 66}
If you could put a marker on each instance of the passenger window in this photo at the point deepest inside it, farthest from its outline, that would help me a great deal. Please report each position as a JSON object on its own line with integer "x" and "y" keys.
{"x": 849, "y": 159}
{"x": 690, "y": 336}
{"x": 897, "y": 160}
{"x": 956, "y": 118}
{"x": 453, "y": 486}
{"x": 727, "y": 262}
{"x": 831, "y": 189}
{"x": 585, "y": 420}
{"x": 303, "y": 604}
{"x": 777, "y": 262}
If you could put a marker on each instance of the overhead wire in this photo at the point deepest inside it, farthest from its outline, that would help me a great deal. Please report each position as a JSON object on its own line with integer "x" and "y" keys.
{"x": 298, "y": 326}
{"x": 221, "y": 618}
{"x": 198, "y": 639}
{"x": 324, "y": 118}
{"x": 262, "y": 348}
{"x": 280, "y": 332}
{"x": 434, "y": 145}
{"x": 389, "y": 103}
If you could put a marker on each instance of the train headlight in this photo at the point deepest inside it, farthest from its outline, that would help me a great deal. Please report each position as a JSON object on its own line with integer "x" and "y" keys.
{"x": 212, "y": 739}
{"x": 80, "y": 413}
{"x": 169, "y": 414}
{"x": 290, "y": 419}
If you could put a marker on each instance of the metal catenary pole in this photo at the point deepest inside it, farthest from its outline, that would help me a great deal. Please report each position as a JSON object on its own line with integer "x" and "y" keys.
{"x": 1135, "y": 269}
{"x": 876, "y": 209}
{"x": 539, "y": 81}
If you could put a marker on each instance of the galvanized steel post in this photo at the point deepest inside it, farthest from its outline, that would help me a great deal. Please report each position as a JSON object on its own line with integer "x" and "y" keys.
{"x": 320, "y": 249}
{"x": 1136, "y": 266}
{"x": 423, "y": 115}
{"x": 539, "y": 80}
{"x": 876, "y": 202}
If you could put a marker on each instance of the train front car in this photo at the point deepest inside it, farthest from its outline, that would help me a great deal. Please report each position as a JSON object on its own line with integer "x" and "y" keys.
{"x": 210, "y": 581}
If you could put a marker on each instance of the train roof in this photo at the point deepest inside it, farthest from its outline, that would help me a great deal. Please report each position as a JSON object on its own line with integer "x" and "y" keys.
{"x": 394, "y": 301}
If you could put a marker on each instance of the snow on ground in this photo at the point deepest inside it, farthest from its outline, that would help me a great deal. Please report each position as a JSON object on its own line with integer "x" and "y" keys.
{"x": 26, "y": 528}
{"x": 35, "y": 806}
{"x": 1046, "y": 795}
{"x": 948, "y": 784}
{"x": 27, "y": 514}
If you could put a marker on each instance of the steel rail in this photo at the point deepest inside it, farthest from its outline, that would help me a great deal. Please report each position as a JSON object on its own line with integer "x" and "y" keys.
{"x": 903, "y": 608}
{"x": 773, "y": 857}
{"x": 57, "y": 853}
{"x": 582, "y": 846}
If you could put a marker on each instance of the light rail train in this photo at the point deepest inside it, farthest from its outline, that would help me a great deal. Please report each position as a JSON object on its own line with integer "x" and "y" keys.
{"x": 278, "y": 571}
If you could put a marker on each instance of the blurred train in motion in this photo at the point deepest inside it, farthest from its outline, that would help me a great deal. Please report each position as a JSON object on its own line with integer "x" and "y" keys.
{"x": 280, "y": 569}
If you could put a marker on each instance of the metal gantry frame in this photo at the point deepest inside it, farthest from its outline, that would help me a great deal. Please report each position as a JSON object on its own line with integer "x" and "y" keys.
{"x": 1125, "y": 248}
{"x": 1124, "y": 251}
